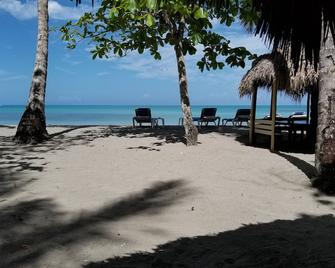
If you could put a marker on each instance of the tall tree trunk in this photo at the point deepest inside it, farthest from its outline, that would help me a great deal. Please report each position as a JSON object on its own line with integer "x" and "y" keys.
{"x": 325, "y": 143}
{"x": 314, "y": 114}
{"x": 191, "y": 132}
{"x": 32, "y": 126}
{"x": 177, "y": 31}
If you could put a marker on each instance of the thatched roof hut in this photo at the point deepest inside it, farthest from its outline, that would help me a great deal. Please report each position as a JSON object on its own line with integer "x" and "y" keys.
{"x": 272, "y": 66}
{"x": 274, "y": 72}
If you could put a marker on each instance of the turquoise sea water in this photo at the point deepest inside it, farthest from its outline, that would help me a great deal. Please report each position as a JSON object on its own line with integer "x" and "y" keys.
{"x": 122, "y": 114}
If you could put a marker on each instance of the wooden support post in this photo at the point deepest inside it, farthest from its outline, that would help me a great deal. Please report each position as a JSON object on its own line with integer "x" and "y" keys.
{"x": 308, "y": 106}
{"x": 273, "y": 114}
{"x": 253, "y": 116}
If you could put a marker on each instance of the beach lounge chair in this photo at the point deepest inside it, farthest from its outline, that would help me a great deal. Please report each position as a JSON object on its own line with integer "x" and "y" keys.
{"x": 242, "y": 115}
{"x": 297, "y": 116}
{"x": 298, "y": 122}
{"x": 278, "y": 117}
{"x": 208, "y": 115}
{"x": 143, "y": 115}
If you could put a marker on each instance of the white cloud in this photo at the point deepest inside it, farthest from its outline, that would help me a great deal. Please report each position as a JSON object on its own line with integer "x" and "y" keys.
{"x": 57, "y": 11}
{"x": 12, "y": 77}
{"x": 103, "y": 73}
{"x": 7, "y": 76}
{"x": 64, "y": 70}
{"x": 146, "y": 66}
{"x": 68, "y": 60}
{"x": 240, "y": 37}
{"x": 18, "y": 9}
{"x": 24, "y": 10}
{"x": 3, "y": 72}
{"x": 146, "y": 96}
{"x": 251, "y": 42}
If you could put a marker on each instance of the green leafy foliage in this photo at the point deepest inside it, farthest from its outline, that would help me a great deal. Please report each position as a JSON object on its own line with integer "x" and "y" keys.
{"x": 119, "y": 26}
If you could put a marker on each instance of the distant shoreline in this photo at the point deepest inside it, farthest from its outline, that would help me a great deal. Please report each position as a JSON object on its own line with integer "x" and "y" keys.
{"x": 148, "y": 105}
{"x": 123, "y": 114}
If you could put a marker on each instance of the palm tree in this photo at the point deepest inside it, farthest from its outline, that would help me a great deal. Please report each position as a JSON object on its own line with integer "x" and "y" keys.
{"x": 304, "y": 27}
{"x": 325, "y": 135}
{"x": 32, "y": 126}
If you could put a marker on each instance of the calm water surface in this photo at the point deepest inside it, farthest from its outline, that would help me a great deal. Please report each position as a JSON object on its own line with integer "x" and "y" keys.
{"x": 122, "y": 114}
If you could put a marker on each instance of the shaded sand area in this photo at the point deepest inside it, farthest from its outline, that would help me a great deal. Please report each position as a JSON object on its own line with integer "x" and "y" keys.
{"x": 119, "y": 197}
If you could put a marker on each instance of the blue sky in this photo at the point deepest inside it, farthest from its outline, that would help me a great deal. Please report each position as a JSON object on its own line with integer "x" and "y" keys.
{"x": 74, "y": 78}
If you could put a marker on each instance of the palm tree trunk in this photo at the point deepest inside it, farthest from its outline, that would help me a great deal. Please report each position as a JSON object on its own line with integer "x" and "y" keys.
{"x": 32, "y": 126}
{"x": 325, "y": 143}
{"x": 191, "y": 132}
{"x": 314, "y": 114}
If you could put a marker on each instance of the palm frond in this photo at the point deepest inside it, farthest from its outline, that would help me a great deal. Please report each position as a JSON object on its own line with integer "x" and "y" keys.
{"x": 296, "y": 26}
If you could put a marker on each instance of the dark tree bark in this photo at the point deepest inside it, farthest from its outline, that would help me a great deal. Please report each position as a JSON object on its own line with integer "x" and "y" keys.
{"x": 177, "y": 31}
{"x": 325, "y": 142}
{"x": 191, "y": 131}
{"x": 32, "y": 126}
{"x": 314, "y": 114}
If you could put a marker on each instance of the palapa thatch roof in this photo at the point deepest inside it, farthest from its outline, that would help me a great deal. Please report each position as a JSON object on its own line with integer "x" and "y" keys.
{"x": 267, "y": 67}
{"x": 297, "y": 26}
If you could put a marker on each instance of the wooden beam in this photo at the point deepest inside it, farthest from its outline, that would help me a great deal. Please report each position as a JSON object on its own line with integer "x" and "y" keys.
{"x": 308, "y": 106}
{"x": 263, "y": 131}
{"x": 263, "y": 122}
{"x": 253, "y": 116}
{"x": 273, "y": 114}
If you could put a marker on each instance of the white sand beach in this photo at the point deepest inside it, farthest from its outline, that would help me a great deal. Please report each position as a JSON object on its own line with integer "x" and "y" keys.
{"x": 91, "y": 194}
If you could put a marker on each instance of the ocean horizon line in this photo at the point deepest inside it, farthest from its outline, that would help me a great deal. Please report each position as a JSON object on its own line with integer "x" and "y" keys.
{"x": 123, "y": 114}
{"x": 49, "y": 105}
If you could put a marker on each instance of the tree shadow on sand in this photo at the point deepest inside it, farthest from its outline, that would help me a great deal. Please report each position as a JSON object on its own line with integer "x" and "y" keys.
{"x": 10, "y": 183}
{"x": 20, "y": 157}
{"x": 241, "y": 134}
{"x": 304, "y": 242}
{"x": 16, "y": 157}
{"x": 30, "y": 229}
{"x": 165, "y": 135}
{"x": 305, "y": 167}
{"x": 283, "y": 149}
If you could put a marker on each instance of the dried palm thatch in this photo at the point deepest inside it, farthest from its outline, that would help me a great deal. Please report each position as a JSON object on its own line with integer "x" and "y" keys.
{"x": 275, "y": 65}
{"x": 296, "y": 26}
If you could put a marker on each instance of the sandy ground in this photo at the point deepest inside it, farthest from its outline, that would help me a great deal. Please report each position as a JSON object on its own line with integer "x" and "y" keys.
{"x": 118, "y": 197}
